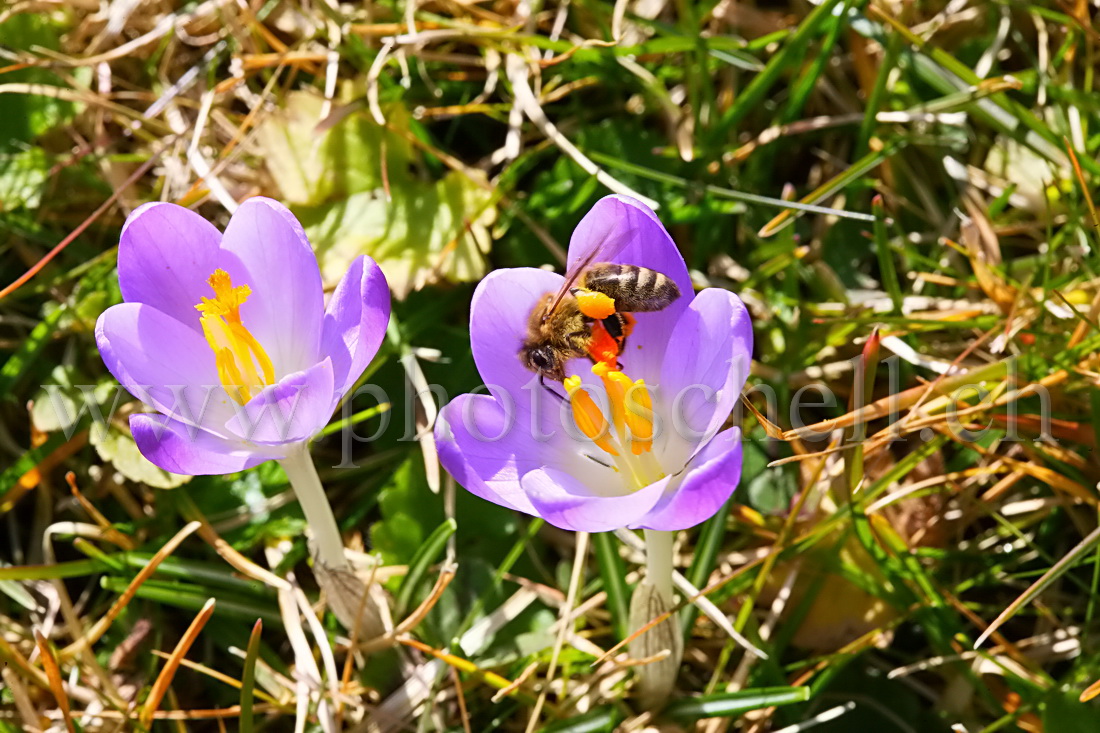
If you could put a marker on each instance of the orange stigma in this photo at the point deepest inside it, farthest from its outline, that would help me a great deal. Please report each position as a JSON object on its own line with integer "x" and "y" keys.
{"x": 603, "y": 348}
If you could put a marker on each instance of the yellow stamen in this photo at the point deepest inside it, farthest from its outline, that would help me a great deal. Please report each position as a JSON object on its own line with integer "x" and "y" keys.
{"x": 631, "y": 442}
{"x": 230, "y": 376}
{"x": 237, "y": 353}
{"x": 631, "y": 408}
{"x": 639, "y": 418}
{"x": 587, "y": 415}
{"x": 261, "y": 356}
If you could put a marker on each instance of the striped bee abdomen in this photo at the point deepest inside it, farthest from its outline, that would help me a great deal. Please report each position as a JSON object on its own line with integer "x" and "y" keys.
{"x": 634, "y": 289}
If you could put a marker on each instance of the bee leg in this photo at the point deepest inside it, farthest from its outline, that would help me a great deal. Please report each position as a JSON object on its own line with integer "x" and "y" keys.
{"x": 628, "y": 324}
{"x": 614, "y": 325}
{"x": 549, "y": 389}
{"x": 618, "y": 326}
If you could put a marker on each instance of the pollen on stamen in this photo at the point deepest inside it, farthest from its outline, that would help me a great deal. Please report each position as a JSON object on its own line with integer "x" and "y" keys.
{"x": 631, "y": 407}
{"x": 587, "y": 415}
{"x": 242, "y": 363}
{"x": 639, "y": 418}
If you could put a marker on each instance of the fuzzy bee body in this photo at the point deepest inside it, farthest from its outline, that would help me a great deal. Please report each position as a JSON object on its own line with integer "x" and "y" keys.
{"x": 559, "y": 330}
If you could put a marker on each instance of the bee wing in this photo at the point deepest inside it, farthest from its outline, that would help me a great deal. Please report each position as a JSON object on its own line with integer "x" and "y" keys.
{"x": 605, "y": 250}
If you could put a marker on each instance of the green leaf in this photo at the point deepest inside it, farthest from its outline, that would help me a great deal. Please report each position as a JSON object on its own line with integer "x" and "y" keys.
{"x": 23, "y": 176}
{"x": 27, "y": 116}
{"x": 1065, "y": 714}
{"x": 360, "y": 188}
{"x": 313, "y": 167}
{"x": 425, "y": 233}
{"x": 119, "y": 448}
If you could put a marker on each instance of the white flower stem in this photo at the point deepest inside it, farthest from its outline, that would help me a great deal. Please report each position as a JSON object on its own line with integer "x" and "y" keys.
{"x": 658, "y": 561}
{"x": 311, "y": 495}
{"x": 651, "y": 599}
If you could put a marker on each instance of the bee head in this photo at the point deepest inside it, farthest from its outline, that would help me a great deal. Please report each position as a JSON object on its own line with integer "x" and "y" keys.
{"x": 543, "y": 360}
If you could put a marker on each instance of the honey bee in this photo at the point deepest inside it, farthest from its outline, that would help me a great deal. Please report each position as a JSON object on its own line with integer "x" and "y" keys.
{"x": 577, "y": 321}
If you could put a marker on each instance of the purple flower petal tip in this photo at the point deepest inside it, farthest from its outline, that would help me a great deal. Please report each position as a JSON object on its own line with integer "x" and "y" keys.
{"x": 189, "y": 450}
{"x": 355, "y": 321}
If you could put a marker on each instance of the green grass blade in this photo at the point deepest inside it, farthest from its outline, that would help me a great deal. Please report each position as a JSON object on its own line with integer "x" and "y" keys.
{"x": 70, "y": 569}
{"x": 726, "y": 193}
{"x": 886, "y": 256}
{"x": 807, "y": 82}
{"x": 735, "y": 703}
{"x": 704, "y": 559}
{"x": 835, "y": 184}
{"x": 874, "y": 101}
{"x": 248, "y": 677}
{"x": 1083, "y": 547}
{"x": 750, "y": 99}
{"x": 613, "y": 575}
{"x": 25, "y": 355}
{"x": 600, "y": 719}
{"x": 418, "y": 566}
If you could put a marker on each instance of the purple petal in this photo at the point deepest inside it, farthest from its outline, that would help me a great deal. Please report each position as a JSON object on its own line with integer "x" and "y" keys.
{"x": 291, "y": 411}
{"x": 265, "y": 248}
{"x": 487, "y": 446}
{"x": 355, "y": 321}
{"x": 501, "y": 306}
{"x": 632, "y": 232}
{"x": 165, "y": 256}
{"x": 629, "y": 232}
{"x": 705, "y": 367}
{"x": 179, "y": 448}
{"x": 466, "y": 435}
{"x": 164, "y": 363}
{"x": 564, "y": 501}
{"x": 702, "y": 488}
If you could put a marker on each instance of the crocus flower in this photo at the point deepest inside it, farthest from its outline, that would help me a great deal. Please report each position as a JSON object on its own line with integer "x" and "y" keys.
{"x": 228, "y": 336}
{"x": 640, "y": 444}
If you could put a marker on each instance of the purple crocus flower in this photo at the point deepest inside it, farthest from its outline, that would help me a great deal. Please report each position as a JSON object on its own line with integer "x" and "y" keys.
{"x": 228, "y": 337}
{"x": 587, "y": 463}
